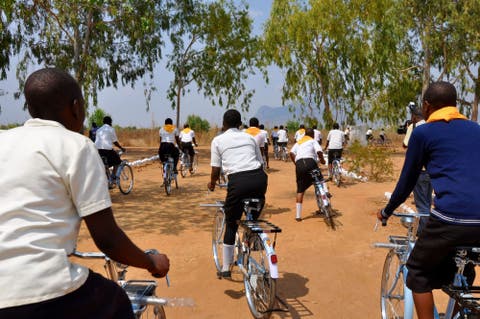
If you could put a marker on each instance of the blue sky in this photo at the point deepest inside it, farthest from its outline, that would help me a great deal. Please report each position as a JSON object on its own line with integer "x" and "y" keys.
{"x": 127, "y": 106}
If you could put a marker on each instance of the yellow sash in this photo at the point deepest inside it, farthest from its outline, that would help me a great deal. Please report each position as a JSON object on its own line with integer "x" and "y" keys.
{"x": 304, "y": 139}
{"x": 169, "y": 128}
{"x": 446, "y": 113}
{"x": 186, "y": 130}
{"x": 301, "y": 131}
{"x": 253, "y": 131}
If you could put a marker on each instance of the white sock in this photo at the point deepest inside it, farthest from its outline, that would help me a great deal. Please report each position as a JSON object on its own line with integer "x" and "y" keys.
{"x": 299, "y": 210}
{"x": 227, "y": 256}
{"x": 325, "y": 187}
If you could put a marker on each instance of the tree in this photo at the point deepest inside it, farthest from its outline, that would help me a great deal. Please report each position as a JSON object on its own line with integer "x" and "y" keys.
{"x": 212, "y": 47}
{"x": 97, "y": 117}
{"x": 102, "y": 42}
{"x": 198, "y": 124}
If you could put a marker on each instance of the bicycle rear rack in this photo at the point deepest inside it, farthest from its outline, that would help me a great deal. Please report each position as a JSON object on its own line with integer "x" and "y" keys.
{"x": 259, "y": 226}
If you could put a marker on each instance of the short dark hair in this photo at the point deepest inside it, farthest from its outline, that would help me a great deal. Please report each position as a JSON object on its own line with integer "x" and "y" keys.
{"x": 309, "y": 132}
{"x": 336, "y": 126}
{"x": 440, "y": 94}
{"x": 107, "y": 120}
{"x": 48, "y": 90}
{"x": 232, "y": 118}
{"x": 186, "y": 125}
{"x": 254, "y": 122}
{"x": 281, "y": 127}
{"x": 168, "y": 121}
{"x": 262, "y": 126}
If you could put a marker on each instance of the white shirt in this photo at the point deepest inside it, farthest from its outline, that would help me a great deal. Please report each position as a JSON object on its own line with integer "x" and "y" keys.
{"x": 282, "y": 136}
{"x": 299, "y": 134}
{"x": 235, "y": 151}
{"x": 335, "y": 139}
{"x": 265, "y": 135}
{"x": 369, "y": 132}
{"x": 168, "y": 137}
{"x": 186, "y": 137}
{"x": 317, "y": 135}
{"x": 50, "y": 178}
{"x": 274, "y": 133}
{"x": 308, "y": 149}
{"x": 105, "y": 137}
{"x": 410, "y": 130}
{"x": 260, "y": 138}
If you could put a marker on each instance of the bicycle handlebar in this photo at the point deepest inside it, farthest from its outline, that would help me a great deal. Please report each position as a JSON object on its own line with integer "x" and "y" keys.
{"x": 389, "y": 246}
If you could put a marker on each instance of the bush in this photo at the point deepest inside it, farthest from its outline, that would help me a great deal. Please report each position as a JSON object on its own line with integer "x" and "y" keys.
{"x": 97, "y": 117}
{"x": 374, "y": 160}
{"x": 198, "y": 124}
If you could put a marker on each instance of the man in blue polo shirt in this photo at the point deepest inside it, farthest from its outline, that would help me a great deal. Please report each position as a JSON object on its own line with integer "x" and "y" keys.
{"x": 448, "y": 145}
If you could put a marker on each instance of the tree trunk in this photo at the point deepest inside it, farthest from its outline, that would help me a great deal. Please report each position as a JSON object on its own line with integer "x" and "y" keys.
{"x": 179, "y": 90}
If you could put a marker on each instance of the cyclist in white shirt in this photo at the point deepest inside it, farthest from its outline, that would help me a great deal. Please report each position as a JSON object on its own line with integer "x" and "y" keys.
{"x": 239, "y": 156}
{"x": 187, "y": 140}
{"x": 257, "y": 134}
{"x": 105, "y": 138}
{"x": 304, "y": 154}
{"x": 168, "y": 141}
{"x": 267, "y": 142}
{"x": 282, "y": 137}
{"x": 51, "y": 179}
{"x": 335, "y": 142}
{"x": 300, "y": 133}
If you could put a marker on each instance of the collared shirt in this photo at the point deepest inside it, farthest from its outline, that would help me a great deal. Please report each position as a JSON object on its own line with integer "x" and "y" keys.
{"x": 317, "y": 135}
{"x": 282, "y": 136}
{"x": 235, "y": 151}
{"x": 186, "y": 136}
{"x": 265, "y": 136}
{"x": 168, "y": 136}
{"x": 308, "y": 149}
{"x": 299, "y": 134}
{"x": 105, "y": 137}
{"x": 274, "y": 134}
{"x": 50, "y": 178}
{"x": 335, "y": 139}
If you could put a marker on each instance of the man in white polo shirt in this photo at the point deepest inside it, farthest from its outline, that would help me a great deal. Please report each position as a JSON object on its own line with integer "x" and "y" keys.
{"x": 104, "y": 140}
{"x": 335, "y": 142}
{"x": 51, "y": 178}
{"x": 187, "y": 140}
{"x": 239, "y": 156}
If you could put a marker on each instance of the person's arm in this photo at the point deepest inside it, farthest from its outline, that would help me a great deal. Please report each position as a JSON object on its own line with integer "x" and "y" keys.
{"x": 321, "y": 158}
{"x": 119, "y": 146}
{"x": 111, "y": 240}
{"x": 214, "y": 176}
{"x": 194, "y": 141}
{"x": 177, "y": 139}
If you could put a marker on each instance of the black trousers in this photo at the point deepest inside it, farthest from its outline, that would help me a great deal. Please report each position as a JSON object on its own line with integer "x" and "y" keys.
{"x": 242, "y": 185}
{"x": 97, "y": 298}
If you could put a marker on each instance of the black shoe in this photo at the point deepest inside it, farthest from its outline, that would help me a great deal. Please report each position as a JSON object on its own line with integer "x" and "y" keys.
{"x": 298, "y": 219}
{"x": 224, "y": 274}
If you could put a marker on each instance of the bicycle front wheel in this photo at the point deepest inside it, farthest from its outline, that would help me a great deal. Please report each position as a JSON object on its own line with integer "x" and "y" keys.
{"x": 194, "y": 164}
{"x": 328, "y": 212}
{"x": 392, "y": 288}
{"x": 125, "y": 179}
{"x": 218, "y": 232}
{"x": 260, "y": 287}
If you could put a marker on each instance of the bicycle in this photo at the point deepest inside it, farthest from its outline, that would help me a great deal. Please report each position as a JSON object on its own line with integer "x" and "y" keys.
{"x": 396, "y": 299}
{"x": 323, "y": 202}
{"x": 337, "y": 171}
{"x": 276, "y": 151}
{"x": 141, "y": 293}
{"x": 254, "y": 255}
{"x": 283, "y": 153}
{"x": 169, "y": 175}
{"x": 123, "y": 178}
{"x": 185, "y": 164}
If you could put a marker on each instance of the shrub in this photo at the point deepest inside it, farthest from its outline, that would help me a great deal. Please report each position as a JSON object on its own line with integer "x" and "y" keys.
{"x": 198, "y": 124}
{"x": 97, "y": 117}
{"x": 374, "y": 160}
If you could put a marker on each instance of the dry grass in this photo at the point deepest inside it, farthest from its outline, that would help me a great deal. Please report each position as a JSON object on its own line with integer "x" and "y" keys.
{"x": 148, "y": 137}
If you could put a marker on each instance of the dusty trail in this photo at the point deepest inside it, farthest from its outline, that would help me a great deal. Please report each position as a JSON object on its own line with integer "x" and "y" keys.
{"x": 323, "y": 273}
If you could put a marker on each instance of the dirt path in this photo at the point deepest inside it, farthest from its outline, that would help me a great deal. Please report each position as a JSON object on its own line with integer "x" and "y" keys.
{"x": 323, "y": 273}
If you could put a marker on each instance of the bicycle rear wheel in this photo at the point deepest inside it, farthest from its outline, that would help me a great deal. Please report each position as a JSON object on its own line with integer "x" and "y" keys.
{"x": 392, "y": 292}
{"x": 337, "y": 177}
{"x": 167, "y": 181}
{"x": 183, "y": 170}
{"x": 326, "y": 210}
{"x": 194, "y": 164}
{"x": 125, "y": 179}
{"x": 260, "y": 287}
{"x": 218, "y": 232}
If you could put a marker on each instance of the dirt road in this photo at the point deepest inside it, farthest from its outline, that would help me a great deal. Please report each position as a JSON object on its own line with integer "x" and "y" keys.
{"x": 323, "y": 273}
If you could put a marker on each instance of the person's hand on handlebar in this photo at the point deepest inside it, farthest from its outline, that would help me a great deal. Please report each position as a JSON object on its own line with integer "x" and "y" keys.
{"x": 382, "y": 218}
{"x": 160, "y": 265}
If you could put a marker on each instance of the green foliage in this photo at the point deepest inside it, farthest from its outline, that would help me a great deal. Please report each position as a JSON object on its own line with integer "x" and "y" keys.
{"x": 97, "y": 117}
{"x": 374, "y": 160}
{"x": 198, "y": 124}
{"x": 9, "y": 126}
{"x": 103, "y": 43}
{"x": 292, "y": 126}
{"x": 213, "y": 47}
